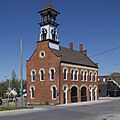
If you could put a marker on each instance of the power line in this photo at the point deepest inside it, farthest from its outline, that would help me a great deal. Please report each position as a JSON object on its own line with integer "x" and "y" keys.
{"x": 106, "y": 51}
{"x": 112, "y": 65}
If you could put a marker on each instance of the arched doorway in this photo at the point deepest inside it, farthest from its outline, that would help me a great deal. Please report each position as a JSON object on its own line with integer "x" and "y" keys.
{"x": 83, "y": 94}
{"x": 74, "y": 97}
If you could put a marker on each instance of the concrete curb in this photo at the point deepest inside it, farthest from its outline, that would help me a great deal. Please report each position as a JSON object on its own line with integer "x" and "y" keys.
{"x": 19, "y": 111}
{"x": 115, "y": 118}
{"x": 101, "y": 100}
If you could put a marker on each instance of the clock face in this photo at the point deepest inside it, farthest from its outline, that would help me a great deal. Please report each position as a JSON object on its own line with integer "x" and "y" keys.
{"x": 42, "y": 54}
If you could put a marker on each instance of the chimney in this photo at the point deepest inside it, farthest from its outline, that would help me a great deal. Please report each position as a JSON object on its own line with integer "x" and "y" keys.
{"x": 81, "y": 47}
{"x": 85, "y": 52}
{"x": 71, "y": 45}
{"x": 82, "y": 50}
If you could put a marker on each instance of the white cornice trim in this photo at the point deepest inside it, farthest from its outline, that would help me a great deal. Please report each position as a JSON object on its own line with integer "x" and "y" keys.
{"x": 78, "y": 66}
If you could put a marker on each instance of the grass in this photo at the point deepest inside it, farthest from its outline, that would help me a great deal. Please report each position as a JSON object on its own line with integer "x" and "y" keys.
{"x": 13, "y": 108}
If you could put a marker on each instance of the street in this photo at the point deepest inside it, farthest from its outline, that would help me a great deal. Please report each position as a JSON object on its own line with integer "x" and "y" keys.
{"x": 97, "y": 111}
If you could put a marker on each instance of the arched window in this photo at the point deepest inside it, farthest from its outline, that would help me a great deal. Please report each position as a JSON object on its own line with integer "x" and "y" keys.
{"x": 54, "y": 92}
{"x": 90, "y": 76}
{"x": 82, "y": 76}
{"x": 43, "y": 34}
{"x": 42, "y": 74}
{"x": 33, "y": 75}
{"x": 52, "y": 74}
{"x": 85, "y": 76}
{"x": 53, "y": 32}
{"x": 32, "y": 92}
{"x": 72, "y": 74}
{"x": 65, "y": 72}
{"x": 76, "y": 74}
{"x": 95, "y": 77}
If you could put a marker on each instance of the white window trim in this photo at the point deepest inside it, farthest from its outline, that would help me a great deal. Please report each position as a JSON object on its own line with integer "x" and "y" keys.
{"x": 72, "y": 69}
{"x": 40, "y": 73}
{"x": 41, "y": 53}
{"x": 66, "y": 73}
{"x": 86, "y": 75}
{"x": 77, "y": 74}
{"x": 50, "y": 73}
{"x": 82, "y": 75}
{"x": 31, "y": 92}
{"x": 91, "y": 76}
{"x": 32, "y": 75}
{"x": 95, "y": 73}
{"x": 52, "y": 92}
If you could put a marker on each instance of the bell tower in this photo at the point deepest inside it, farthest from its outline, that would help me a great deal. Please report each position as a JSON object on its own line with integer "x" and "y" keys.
{"x": 48, "y": 26}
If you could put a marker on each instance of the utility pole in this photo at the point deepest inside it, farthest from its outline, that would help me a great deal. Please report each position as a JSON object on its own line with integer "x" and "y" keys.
{"x": 21, "y": 71}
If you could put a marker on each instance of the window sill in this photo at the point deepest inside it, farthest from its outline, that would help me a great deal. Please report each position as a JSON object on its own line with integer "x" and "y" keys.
{"x": 74, "y": 80}
{"x": 32, "y": 98}
{"x": 33, "y": 81}
{"x": 54, "y": 99}
{"x": 65, "y": 79}
{"x": 41, "y": 80}
{"x": 52, "y": 80}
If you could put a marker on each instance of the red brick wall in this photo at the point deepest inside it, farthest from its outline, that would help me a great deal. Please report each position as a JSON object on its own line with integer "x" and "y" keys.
{"x": 42, "y": 89}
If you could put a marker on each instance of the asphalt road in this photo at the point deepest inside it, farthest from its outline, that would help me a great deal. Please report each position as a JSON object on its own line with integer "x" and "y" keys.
{"x": 99, "y": 111}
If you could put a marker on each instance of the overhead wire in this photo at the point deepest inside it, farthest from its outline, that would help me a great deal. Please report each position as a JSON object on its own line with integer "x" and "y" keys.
{"x": 107, "y": 51}
{"x": 104, "y": 52}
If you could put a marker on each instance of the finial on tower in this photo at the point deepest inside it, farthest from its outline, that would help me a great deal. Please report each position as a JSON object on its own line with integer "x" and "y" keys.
{"x": 48, "y": 5}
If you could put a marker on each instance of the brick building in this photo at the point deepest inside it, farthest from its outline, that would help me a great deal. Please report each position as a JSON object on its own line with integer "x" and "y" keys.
{"x": 56, "y": 74}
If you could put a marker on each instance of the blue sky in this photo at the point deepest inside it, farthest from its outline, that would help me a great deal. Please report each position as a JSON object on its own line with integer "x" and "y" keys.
{"x": 95, "y": 23}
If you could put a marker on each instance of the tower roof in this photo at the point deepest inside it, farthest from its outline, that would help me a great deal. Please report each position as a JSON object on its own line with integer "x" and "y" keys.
{"x": 49, "y": 5}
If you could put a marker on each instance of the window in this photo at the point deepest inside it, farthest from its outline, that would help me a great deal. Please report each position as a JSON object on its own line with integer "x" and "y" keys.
{"x": 53, "y": 34}
{"x": 42, "y": 54}
{"x": 82, "y": 76}
{"x": 54, "y": 92}
{"x": 43, "y": 34}
{"x": 72, "y": 74}
{"x": 42, "y": 74}
{"x": 94, "y": 77}
{"x": 52, "y": 74}
{"x": 76, "y": 74}
{"x": 33, "y": 75}
{"x": 65, "y": 72}
{"x": 86, "y": 76}
{"x": 32, "y": 92}
{"x": 90, "y": 76}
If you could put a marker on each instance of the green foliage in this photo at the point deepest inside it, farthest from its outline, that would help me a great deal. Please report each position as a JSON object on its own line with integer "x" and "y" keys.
{"x": 13, "y": 108}
{"x": 13, "y": 83}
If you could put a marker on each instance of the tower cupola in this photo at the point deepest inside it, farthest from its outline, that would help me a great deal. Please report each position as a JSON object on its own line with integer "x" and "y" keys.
{"x": 48, "y": 25}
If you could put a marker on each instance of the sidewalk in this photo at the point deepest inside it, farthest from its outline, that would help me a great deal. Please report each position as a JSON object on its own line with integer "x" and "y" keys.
{"x": 115, "y": 118}
{"x": 101, "y": 100}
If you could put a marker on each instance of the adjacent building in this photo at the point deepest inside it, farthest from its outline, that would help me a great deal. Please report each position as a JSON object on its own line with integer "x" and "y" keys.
{"x": 109, "y": 86}
{"x": 59, "y": 75}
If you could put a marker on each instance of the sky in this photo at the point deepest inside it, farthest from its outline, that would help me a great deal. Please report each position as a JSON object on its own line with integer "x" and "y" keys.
{"x": 95, "y": 23}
